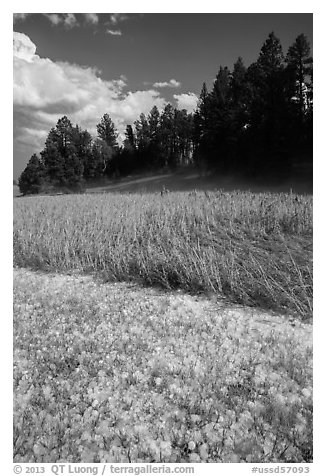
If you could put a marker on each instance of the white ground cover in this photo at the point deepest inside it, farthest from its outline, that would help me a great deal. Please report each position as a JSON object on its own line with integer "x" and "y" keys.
{"x": 120, "y": 373}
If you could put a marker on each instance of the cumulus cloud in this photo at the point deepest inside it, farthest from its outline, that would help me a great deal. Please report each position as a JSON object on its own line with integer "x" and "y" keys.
{"x": 70, "y": 20}
{"x": 114, "y": 32}
{"x": 140, "y": 101}
{"x": 45, "y": 90}
{"x": 116, "y": 18}
{"x": 54, "y": 18}
{"x": 67, "y": 19}
{"x": 20, "y": 16}
{"x": 24, "y": 48}
{"x": 186, "y": 101}
{"x": 91, "y": 18}
{"x": 168, "y": 84}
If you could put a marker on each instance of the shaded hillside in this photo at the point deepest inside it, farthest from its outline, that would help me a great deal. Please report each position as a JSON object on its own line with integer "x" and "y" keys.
{"x": 190, "y": 179}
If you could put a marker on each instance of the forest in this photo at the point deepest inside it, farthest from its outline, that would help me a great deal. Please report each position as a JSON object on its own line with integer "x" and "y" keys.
{"x": 256, "y": 122}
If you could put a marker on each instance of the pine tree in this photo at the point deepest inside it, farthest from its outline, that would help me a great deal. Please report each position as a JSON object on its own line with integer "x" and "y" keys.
{"x": 107, "y": 132}
{"x": 74, "y": 168}
{"x": 211, "y": 124}
{"x": 129, "y": 142}
{"x": 63, "y": 134}
{"x": 299, "y": 91}
{"x": 167, "y": 127}
{"x": 299, "y": 70}
{"x": 63, "y": 166}
{"x": 53, "y": 159}
{"x": 155, "y": 150}
{"x": 218, "y": 127}
{"x": 268, "y": 111}
{"x": 266, "y": 75}
{"x": 200, "y": 128}
{"x": 142, "y": 132}
{"x": 238, "y": 87}
{"x": 239, "y": 116}
{"x": 269, "y": 80}
{"x": 183, "y": 132}
{"x": 154, "y": 124}
{"x": 32, "y": 178}
{"x": 82, "y": 141}
{"x": 201, "y": 115}
{"x": 97, "y": 160}
{"x": 142, "y": 143}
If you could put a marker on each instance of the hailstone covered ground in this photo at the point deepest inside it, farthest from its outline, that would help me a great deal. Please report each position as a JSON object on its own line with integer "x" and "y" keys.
{"x": 121, "y": 373}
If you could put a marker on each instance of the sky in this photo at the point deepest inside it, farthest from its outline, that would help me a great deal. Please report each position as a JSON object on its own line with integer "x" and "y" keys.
{"x": 86, "y": 64}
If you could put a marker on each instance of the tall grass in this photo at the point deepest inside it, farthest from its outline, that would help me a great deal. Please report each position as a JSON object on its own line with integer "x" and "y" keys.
{"x": 256, "y": 249}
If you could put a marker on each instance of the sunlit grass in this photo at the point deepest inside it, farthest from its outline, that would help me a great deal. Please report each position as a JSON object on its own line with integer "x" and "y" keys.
{"x": 255, "y": 249}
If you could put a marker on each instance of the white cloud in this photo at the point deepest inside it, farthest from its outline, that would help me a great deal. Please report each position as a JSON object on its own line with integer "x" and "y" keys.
{"x": 116, "y": 18}
{"x": 45, "y": 90}
{"x": 91, "y": 18}
{"x": 54, "y": 18}
{"x": 140, "y": 101}
{"x": 20, "y": 16}
{"x": 175, "y": 83}
{"x": 68, "y": 19}
{"x": 30, "y": 136}
{"x": 24, "y": 48}
{"x": 168, "y": 84}
{"x": 114, "y": 32}
{"x": 186, "y": 101}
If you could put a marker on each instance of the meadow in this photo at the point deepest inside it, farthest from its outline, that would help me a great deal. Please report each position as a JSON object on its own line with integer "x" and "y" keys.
{"x": 172, "y": 328}
{"x": 254, "y": 249}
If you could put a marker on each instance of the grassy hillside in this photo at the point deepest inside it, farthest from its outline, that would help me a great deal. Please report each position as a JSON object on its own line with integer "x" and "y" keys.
{"x": 255, "y": 249}
{"x": 188, "y": 179}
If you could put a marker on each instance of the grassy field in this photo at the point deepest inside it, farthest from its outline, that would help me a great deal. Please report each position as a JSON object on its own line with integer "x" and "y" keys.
{"x": 117, "y": 372}
{"x": 255, "y": 249}
{"x": 109, "y": 370}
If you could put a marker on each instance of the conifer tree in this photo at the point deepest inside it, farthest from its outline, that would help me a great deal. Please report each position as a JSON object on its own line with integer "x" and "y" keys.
{"x": 53, "y": 159}
{"x": 32, "y": 177}
{"x": 106, "y": 131}
{"x": 200, "y": 128}
{"x": 299, "y": 69}
{"x": 63, "y": 166}
{"x": 239, "y": 116}
{"x": 129, "y": 142}
{"x": 183, "y": 133}
{"x": 268, "y": 111}
{"x": 218, "y": 132}
{"x": 155, "y": 138}
{"x": 168, "y": 135}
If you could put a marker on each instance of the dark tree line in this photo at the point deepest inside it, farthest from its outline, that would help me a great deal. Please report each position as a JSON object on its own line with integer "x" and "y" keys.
{"x": 254, "y": 121}
{"x": 158, "y": 141}
{"x": 71, "y": 157}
